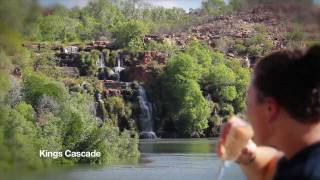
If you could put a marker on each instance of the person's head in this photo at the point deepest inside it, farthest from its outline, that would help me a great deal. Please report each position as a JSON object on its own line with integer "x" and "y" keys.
{"x": 285, "y": 90}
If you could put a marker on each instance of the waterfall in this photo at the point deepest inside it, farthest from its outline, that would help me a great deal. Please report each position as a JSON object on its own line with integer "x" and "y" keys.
{"x": 119, "y": 65}
{"x": 100, "y": 62}
{"x": 145, "y": 118}
{"x": 118, "y": 68}
{"x": 247, "y": 62}
{"x": 99, "y": 106}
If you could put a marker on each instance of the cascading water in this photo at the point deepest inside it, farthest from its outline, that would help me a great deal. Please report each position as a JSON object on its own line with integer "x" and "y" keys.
{"x": 118, "y": 68}
{"x": 145, "y": 118}
{"x": 99, "y": 106}
{"x": 100, "y": 61}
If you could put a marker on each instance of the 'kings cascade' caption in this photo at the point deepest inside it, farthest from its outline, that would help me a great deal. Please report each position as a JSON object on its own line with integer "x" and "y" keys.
{"x": 69, "y": 154}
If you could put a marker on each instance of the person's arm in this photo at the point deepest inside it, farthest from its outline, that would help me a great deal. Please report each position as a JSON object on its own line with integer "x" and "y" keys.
{"x": 257, "y": 163}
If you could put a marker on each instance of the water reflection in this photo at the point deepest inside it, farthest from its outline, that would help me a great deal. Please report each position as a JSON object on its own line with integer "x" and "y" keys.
{"x": 178, "y": 146}
{"x": 187, "y": 159}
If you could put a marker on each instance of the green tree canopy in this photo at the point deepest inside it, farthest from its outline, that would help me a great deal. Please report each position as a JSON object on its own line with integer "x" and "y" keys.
{"x": 58, "y": 28}
{"x": 130, "y": 31}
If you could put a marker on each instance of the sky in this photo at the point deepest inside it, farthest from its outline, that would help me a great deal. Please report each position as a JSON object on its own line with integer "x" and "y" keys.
{"x": 185, "y": 4}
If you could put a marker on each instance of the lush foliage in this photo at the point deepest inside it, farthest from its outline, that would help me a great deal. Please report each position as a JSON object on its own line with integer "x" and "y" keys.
{"x": 125, "y": 20}
{"x": 195, "y": 90}
{"x": 191, "y": 109}
{"x": 201, "y": 85}
{"x": 214, "y": 7}
{"x": 49, "y": 118}
{"x": 37, "y": 112}
{"x": 130, "y": 34}
{"x": 257, "y": 45}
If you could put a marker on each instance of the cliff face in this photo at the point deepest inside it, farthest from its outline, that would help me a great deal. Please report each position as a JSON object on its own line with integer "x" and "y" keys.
{"x": 243, "y": 36}
{"x": 246, "y": 36}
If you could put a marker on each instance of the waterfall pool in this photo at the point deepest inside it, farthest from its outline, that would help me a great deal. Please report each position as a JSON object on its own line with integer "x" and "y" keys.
{"x": 161, "y": 159}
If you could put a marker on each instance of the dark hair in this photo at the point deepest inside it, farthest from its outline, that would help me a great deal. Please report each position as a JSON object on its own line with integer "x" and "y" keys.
{"x": 292, "y": 78}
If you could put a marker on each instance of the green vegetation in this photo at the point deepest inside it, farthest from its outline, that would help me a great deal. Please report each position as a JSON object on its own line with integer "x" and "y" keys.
{"x": 118, "y": 112}
{"x": 199, "y": 85}
{"x": 167, "y": 46}
{"x": 214, "y": 7}
{"x": 37, "y": 110}
{"x": 109, "y": 19}
{"x": 257, "y": 45}
{"x": 238, "y": 4}
{"x": 294, "y": 38}
{"x": 193, "y": 87}
{"x": 49, "y": 118}
{"x": 185, "y": 95}
{"x": 130, "y": 34}
{"x": 87, "y": 63}
{"x": 56, "y": 28}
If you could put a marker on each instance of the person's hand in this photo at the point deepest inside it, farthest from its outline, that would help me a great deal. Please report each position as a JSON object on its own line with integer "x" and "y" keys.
{"x": 246, "y": 152}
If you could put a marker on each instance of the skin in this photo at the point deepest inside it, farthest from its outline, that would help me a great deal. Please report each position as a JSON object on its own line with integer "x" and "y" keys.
{"x": 277, "y": 134}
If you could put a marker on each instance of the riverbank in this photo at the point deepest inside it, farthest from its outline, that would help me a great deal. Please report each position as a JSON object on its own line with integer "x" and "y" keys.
{"x": 161, "y": 159}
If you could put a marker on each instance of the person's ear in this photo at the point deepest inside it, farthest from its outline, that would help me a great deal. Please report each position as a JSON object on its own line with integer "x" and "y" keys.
{"x": 272, "y": 109}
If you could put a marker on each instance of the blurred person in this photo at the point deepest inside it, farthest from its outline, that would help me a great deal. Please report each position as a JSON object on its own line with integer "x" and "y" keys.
{"x": 283, "y": 108}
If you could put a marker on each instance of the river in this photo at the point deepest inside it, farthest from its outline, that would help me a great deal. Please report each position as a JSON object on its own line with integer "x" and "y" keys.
{"x": 161, "y": 159}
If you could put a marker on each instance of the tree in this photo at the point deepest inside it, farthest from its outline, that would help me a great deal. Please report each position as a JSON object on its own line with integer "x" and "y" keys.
{"x": 18, "y": 141}
{"x": 82, "y": 132}
{"x": 51, "y": 28}
{"x": 195, "y": 111}
{"x": 37, "y": 85}
{"x": 87, "y": 63}
{"x": 237, "y": 5}
{"x": 26, "y": 110}
{"x": 214, "y": 7}
{"x": 183, "y": 67}
{"x": 118, "y": 111}
{"x": 302, "y": 2}
{"x": 228, "y": 93}
{"x": 4, "y": 77}
{"x": 20, "y": 16}
{"x": 88, "y": 28}
{"x": 184, "y": 97}
{"x": 226, "y": 83}
{"x": 60, "y": 10}
{"x": 130, "y": 31}
{"x": 105, "y": 14}
{"x": 201, "y": 53}
{"x": 58, "y": 28}
{"x": 221, "y": 75}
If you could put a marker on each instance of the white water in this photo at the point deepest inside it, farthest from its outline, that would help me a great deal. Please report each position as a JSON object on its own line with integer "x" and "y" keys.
{"x": 100, "y": 61}
{"x": 118, "y": 68}
{"x": 145, "y": 118}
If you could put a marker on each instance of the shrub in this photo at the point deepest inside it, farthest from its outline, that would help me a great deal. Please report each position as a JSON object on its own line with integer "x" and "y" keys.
{"x": 37, "y": 85}
{"x": 241, "y": 49}
{"x": 87, "y": 64}
{"x": 294, "y": 36}
{"x": 228, "y": 93}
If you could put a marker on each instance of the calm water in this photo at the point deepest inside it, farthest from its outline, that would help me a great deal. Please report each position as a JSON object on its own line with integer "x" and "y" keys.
{"x": 186, "y": 159}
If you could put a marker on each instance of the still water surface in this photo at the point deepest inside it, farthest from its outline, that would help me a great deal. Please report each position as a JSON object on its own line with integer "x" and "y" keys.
{"x": 163, "y": 159}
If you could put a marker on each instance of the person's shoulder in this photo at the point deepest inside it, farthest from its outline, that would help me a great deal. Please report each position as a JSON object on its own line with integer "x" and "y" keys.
{"x": 305, "y": 165}
{"x": 311, "y": 166}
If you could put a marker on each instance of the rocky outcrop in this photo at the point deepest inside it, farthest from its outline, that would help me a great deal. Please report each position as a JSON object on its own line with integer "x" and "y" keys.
{"x": 277, "y": 19}
{"x": 149, "y": 56}
{"x": 117, "y": 88}
{"x": 70, "y": 72}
